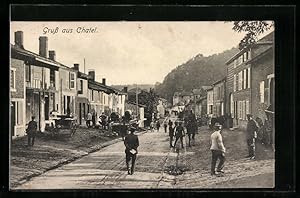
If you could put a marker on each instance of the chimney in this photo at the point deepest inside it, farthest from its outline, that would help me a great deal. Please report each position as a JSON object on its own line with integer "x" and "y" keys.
{"x": 76, "y": 66}
{"x": 52, "y": 55}
{"x": 19, "y": 39}
{"x": 125, "y": 89}
{"x": 43, "y": 48}
{"x": 103, "y": 81}
{"x": 92, "y": 74}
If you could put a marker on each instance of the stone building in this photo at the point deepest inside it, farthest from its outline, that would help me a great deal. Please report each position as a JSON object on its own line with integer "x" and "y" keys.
{"x": 219, "y": 97}
{"x": 39, "y": 74}
{"x": 240, "y": 80}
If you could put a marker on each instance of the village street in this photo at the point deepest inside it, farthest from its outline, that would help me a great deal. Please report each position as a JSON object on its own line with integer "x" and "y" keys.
{"x": 106, "y": 169}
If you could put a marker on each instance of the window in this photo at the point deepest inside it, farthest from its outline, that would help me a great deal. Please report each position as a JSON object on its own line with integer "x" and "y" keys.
{"x": 248, "y": 80}
{"x": 243, "y": 80}
{"x": 240, "y": 81}
{"x": 72, "y": 80}
{"x": 247, "y": 107}
{"x": 249, "y": 54}
{"x": 210, "y": 109}
{"x": 234, "y": 82}
{"x": 52, "y": 77}
{"x": 27, "y": 73}
{"x": 92, "y": 95}
{"x": 13, "y": 79}
{"x": 80, "y": 91}
{"x": 262, "y": 91}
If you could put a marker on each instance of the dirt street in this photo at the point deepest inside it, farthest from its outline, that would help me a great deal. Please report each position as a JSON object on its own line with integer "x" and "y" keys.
{"x": 106, "y": 169}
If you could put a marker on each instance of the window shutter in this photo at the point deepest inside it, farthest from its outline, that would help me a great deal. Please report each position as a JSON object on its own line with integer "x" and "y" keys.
{"x": 249, "y": 79}
{"x": 234, "y": 83}
{"x": 247, "y": 107}
{"x": 243, "y": 79}
{"x": 262, "y": 91}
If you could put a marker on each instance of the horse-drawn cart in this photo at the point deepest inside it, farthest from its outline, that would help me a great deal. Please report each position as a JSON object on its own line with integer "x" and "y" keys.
{"x": 63, "y": 123}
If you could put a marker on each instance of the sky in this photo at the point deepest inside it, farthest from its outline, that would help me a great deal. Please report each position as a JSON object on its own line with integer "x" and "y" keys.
{"x": 129, "y": 52}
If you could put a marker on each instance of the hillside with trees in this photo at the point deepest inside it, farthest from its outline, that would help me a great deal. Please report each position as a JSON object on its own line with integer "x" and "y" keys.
{"x": 193, "y": 74}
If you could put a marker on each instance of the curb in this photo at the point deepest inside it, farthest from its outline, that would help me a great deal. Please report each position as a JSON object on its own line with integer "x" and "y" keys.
{"x": 67, "y": 161}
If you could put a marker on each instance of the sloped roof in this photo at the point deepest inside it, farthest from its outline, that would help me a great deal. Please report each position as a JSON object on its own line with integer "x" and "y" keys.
{"x": 100, "y": 87}
{"x": 266, "y": 40}
{"x": 33, "y": 56}
{"x": 260, "y": 55}
{"x": 206, "y": 87}
{"x": 196, "y": 91}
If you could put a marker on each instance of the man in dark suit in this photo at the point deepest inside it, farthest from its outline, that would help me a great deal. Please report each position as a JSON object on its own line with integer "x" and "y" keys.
{"x": 31, "y": 131}
{"x": 251, "y": 135}
{"x": 131, "y": 143}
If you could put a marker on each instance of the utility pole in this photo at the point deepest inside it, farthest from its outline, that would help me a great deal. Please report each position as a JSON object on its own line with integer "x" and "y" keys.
{"x": 84, "y": 65}
{"x": 137, "y": 101}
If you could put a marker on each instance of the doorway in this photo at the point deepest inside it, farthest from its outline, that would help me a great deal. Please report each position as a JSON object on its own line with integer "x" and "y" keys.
{"x": 46, "y": 107}
{"x": 13, "y": 118}
{"x": 80, "y": 113}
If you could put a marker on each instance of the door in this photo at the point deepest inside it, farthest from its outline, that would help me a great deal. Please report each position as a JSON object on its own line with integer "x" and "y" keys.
{"x": 80, "y": 113}
{"x": 46, "y": 107}
{"x": 272, "y": 96}
{"x": 13, "y": 118}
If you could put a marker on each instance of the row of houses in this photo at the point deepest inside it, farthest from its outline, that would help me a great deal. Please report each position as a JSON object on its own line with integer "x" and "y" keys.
{"x": 247, "y": 88}
{"x": 40, "y": 85}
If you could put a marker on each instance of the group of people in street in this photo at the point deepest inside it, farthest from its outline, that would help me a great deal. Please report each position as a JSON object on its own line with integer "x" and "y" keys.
{"x": 176, "y": 129}
{"x": 91, "y": 120}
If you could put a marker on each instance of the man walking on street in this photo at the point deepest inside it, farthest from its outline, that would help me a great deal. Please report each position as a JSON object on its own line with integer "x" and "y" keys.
{"x": 165, "y": 126}
{"x": 251, "y": 135}
{"x": 179, "y": 133}
{"x": 131, "y": 143}
{"x": 157, "y": 125}
{"x": 88, "y": 120}
{"x": 171, "y": 132}
{"x": 31, "y": 131}
{"x": 217, "y": 149}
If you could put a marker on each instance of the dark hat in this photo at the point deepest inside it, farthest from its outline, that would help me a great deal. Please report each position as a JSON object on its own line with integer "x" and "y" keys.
{"x": 32, "y": 117}
{"x": 249, "y": 115}
{"x": 217, "y": 124}
{"x": 132, "y": 129}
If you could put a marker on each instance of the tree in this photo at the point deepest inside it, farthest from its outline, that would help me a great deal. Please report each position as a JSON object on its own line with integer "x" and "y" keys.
{"x": 253, "y": 29}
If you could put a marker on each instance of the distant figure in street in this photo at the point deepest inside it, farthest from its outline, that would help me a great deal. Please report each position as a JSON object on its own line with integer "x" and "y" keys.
{"x": 103, "y": 119}
{"x": 191, "y": 127}
{"x": 123, "y": 130}
{"x": 171, "y": 132}
{"x": 165, "y": 126}
{"x": 251, "y": 134}
{"x": 131, "y": 143}
{"x": 88, "y": 120}
{"x": 217, "y": 149}
{"x": 94, "y": 119}
{"x": 157, "y": 125}
{"x": 152, "y": 126}
{"x": 179, "y": 133}
{"x": 31, "y": 131}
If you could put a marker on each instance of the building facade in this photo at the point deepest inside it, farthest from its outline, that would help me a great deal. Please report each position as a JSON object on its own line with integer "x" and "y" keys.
{"x": 210, "y": 102}
{"x": 240, "y": 93}
{"x": 263, "y": 82}
{"x": 39, "y": 75}
{"x": 219, "y": 98}
{"x": 17, "y": 98}
{"x": 82, "y": 99}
